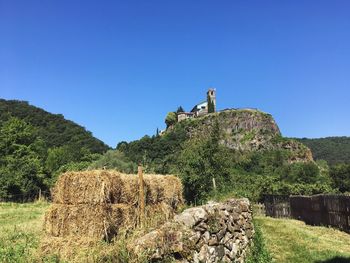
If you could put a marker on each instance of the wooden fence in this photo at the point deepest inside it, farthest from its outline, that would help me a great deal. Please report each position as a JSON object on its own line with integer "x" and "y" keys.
{"x": 277, "y": 206}
{"x": 326, "y": 210}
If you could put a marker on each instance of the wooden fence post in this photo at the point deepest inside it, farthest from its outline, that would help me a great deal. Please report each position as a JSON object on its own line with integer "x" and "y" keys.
{"x": 214, "y": 184}
{"x": 141, "y": 196}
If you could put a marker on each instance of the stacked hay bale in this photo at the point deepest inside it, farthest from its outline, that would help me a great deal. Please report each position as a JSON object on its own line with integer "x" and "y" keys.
{"x": 96, "y": 205}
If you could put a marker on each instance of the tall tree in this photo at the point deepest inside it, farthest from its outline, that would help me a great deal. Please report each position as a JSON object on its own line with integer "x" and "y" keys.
{"x": 21, "y": 166}
{"x": 211, "y": 107}
{"x": 340, "y": 175}
{"x": 170, "y": 119}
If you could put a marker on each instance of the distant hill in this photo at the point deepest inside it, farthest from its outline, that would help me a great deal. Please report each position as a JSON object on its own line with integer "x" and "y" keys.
{"x": 54, "y": 129}
{"x": 332, "y": 149}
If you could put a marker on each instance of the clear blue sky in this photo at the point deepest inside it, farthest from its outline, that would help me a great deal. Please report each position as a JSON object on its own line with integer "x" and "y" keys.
{"x": 117, "y": 67}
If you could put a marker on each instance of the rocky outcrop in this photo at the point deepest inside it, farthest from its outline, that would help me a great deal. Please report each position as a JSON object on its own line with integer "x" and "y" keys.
{"x": 244, "y": 130}
{"x": 216, "y": 232}
{"x": 298, "y": 152}
{"x": 247, "y": 130}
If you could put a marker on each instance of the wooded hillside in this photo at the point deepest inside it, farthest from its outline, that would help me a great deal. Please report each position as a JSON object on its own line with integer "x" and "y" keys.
{"x": 36, "y": 146}
{"x": 54, "y": 129}
{"x": 334, "y": 150}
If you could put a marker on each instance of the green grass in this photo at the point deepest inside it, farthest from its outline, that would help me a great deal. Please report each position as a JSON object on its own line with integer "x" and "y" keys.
{"x": 293, "y": 241}
{"x": 259, "y": 252}
{"x": 285, "y": 240}
{"x": 20, "y": 230}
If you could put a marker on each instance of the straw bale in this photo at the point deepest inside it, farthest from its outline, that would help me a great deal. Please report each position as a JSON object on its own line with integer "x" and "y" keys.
{"x": 159, "y": 212}
{"x": 122, "y": 216}
{"x": 91, "y": 206}
{"x": 95, "y": 221}
{"x": 93, "y": 187}
{"x": 65, "y": 247}
{"x": 163, "y": 188}
{"x": 129, "y": 189}
{"x": 108, "y": 186}
{"x": 172, "y": 190}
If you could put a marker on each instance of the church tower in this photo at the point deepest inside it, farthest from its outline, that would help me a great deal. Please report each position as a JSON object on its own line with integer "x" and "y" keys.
{"x": 211, "y": 99}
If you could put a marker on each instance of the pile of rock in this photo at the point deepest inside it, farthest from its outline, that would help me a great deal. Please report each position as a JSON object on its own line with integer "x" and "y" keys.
{"x": 216, "y": 232}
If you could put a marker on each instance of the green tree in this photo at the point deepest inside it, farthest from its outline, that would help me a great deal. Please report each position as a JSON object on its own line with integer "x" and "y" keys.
{"x": 170, "y": 119}
{"x": 200, "y": 162}
{"x": 211, "y": 107}
{"x": 57, "y": 157}
{"x": 52, "y": 128}
{"x": 122, "y": 146}
{"x": 21, "y": 169}
{"x": 114, "y": 159}
{"x": 340, "y": 175}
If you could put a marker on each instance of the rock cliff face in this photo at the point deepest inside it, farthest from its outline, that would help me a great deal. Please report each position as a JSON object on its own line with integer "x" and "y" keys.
{"x": 247, "y": 130}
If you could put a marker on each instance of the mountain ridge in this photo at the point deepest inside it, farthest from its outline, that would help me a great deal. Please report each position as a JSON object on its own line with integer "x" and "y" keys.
{"x": 333, "y": 149}
{"x": 54, "y": 129}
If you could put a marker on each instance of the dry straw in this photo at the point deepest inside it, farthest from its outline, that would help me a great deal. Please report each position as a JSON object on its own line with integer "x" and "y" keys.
{"x": 96, "y": 205}
{"x": 108, "y": 186}
{"x": 96, "y": 221}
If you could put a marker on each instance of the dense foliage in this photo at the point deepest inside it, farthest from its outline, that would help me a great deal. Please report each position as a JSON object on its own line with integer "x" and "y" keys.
{"x": 211, "y": 106}
{"x": 53, "y": 129}
{"x": 28, "y": 166}
{"x": 114, "y": 160}
{"x": 36, "y": 146}
{"x": 249, "y": 174}
{"x": 334, "y": 150}
{"x": 21, "y": 165}
{"x": 200, "y": 163}
{"x": 170, "y": 119}
{"x": 340, "y": 174}
{"x": 157, "y": 153}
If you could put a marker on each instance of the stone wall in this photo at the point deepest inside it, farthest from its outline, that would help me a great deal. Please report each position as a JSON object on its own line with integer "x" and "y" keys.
{"x": 215, "y": 232}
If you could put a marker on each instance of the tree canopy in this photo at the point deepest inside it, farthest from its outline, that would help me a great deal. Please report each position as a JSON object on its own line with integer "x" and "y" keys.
{"x": 332, "y": 149}
{"x": 36, "y": 146}
{"x": 54, "y": 129}
{"x": 170, "y": 119}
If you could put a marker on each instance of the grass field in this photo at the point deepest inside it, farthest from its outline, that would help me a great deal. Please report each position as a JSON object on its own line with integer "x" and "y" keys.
{"x": 20, "y": 231}
{"x": 292, "y": 241}
{"x": 287, "y": 240}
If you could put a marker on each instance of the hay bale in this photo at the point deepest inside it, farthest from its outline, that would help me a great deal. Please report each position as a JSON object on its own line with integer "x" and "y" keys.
{"x": 122, "y": 216}
{"x": 159, "y": 212}
{"x": 163, "y": 188}
{"x": 93, "y": 187}
{"x": 93, "y": 221}
{"x": 65, "y": 248}
{"x": 112, "y": 187}
{"x": 95, "y": 205}
{"x": 172, "y": 190}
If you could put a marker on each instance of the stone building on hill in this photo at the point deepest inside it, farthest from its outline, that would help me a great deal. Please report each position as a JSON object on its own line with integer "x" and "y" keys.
{"x": 200, "y": 109}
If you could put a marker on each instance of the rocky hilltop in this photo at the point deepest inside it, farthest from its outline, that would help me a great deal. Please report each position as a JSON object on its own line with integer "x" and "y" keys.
{"x": 247, "y": 130}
